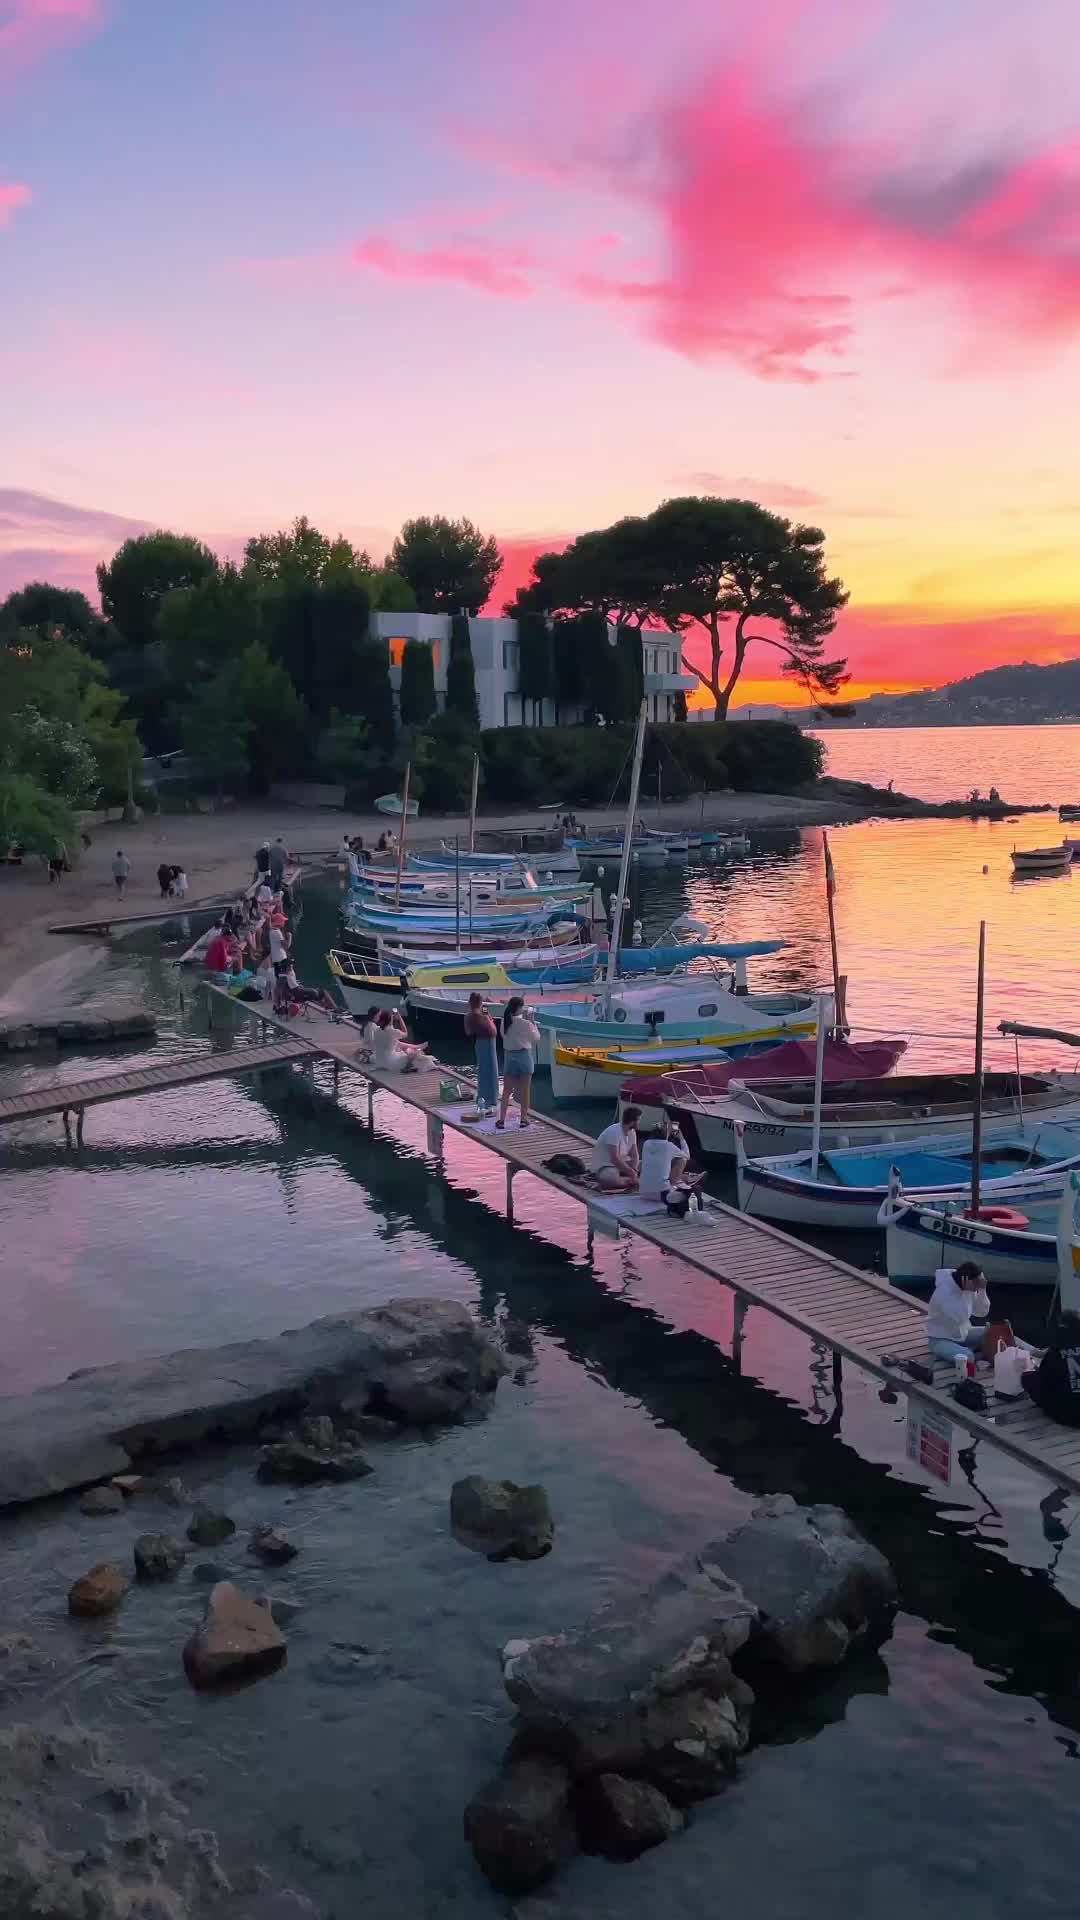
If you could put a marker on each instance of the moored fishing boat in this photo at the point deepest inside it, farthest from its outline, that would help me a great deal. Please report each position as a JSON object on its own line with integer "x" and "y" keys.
{"x": 843, "y": 1060}
{"x": 444, "y": 983}
{"x": 778, "y": 1117}
{"x": 1030, "y": 860}
{"x": 1016, "y": 1165}
{"x": 586, "y": 1073}
{"x": 1014, "y": 1248}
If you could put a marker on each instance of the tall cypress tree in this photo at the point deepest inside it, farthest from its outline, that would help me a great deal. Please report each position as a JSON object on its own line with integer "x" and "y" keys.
{"x": 536, "y": 677}
{"x": 460, "y": 673}
{"x": 417, "y": 684}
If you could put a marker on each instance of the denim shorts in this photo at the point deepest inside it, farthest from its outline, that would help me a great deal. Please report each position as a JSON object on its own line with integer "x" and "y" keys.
{"x": 518, "y": 1063}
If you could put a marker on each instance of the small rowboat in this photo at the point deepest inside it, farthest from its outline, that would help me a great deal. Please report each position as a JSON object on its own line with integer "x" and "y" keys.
{"x": 1028, "y": 860}
{"x": 392, "y": 803}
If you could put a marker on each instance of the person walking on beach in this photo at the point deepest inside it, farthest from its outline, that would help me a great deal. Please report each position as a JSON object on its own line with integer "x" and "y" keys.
{"x": 179, "y": 883}
{"x": 480, "y": 1029}
{"x": 58, "y": 861}
{"x": 521, "y": 1038}
{"x": 121, "y": 867}
{"x": 165, "y": 879}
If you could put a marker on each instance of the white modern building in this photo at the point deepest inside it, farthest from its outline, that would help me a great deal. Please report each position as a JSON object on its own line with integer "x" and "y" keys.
{"x": 495, "y": 663}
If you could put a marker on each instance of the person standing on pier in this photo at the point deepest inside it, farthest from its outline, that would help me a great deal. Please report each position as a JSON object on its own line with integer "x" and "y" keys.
{"x": 480, "y": 1029}
{"x": 521, "y": 1038}
{"x": 279, "y": 860}
{"x": 262, "y": 861}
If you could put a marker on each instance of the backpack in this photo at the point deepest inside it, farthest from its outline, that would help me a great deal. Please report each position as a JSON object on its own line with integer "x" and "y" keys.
{"x": 566, "y": 1164}
{"x": 970, "y": 1394}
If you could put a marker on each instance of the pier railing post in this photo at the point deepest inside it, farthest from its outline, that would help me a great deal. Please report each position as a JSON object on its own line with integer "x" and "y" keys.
{"x": 510, "y": 1172}
{"x": 737, "y": 1332}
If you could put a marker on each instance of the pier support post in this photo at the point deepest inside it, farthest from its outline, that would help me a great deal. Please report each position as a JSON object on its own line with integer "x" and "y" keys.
{"x": 371, "y": 1106}
{"x": 434, "y": 1135}
{"x": 337, "y": 1077}
{"x": 838, "y": 1380}
{"x": 737, "y": 1332}
{"x": 510, "y": 1172}
{"x": 80, "y": 1118}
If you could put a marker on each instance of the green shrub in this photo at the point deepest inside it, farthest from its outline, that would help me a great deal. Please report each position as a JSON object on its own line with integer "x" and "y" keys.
{"x": 417, "y": 684}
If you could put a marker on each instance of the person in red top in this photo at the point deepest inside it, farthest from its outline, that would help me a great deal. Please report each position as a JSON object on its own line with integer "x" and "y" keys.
{"x": 217, "y": 954}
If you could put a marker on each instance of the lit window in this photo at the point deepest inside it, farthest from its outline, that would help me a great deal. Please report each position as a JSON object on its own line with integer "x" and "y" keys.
{"x": 397, "y": 652}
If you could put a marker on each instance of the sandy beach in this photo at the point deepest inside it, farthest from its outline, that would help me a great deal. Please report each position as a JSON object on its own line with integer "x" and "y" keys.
{"x": 217, "y": 853}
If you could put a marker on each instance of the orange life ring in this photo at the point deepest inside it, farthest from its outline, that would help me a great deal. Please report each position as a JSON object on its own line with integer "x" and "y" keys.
{"x": 999, "y": 1217}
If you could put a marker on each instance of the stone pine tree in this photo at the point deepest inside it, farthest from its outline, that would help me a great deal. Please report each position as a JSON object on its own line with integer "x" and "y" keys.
{"x": 460, "y": 674}
{"x": 417, "y": 684}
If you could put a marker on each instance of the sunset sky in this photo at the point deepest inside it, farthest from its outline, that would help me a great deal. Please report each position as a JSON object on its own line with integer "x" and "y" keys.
{"x": 548, "y": 264}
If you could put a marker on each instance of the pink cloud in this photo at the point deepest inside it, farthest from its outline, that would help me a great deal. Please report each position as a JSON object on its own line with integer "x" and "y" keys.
{"x": 770, "y": 493}
{"x": 30, "y": 30}
{"x": 482, "y": 265}
{"x": 12, "y": 197}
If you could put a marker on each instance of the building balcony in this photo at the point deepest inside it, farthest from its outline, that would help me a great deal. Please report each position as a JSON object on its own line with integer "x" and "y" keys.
{"x": 670, "y": 682}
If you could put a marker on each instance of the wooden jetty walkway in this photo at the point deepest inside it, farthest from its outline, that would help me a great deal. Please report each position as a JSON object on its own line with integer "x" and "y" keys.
{"x": 856, "y": 1315}
{"x": 72, "y": 1096}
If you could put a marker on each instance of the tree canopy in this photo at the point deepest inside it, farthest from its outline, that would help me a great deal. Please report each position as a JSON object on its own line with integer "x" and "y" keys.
{"x": 301, "y": 552}
{"x": 703, "y": 561}
{"x": 449, "y": 564}
{"x": 133, "y": 583}
{"x": 44, "y": 609}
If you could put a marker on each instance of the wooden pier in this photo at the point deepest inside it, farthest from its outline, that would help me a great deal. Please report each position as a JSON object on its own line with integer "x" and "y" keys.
{"x": 854, "y": 1314}
{"x": 72, "y": 1096}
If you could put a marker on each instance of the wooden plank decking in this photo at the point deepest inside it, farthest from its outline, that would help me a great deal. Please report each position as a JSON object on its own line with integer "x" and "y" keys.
{"x": 68, "y": 1096}
{"x": 855, "y": 1314}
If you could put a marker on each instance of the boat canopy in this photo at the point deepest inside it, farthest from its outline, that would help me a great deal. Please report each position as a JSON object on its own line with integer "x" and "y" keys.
{"x": 663, "y": 959}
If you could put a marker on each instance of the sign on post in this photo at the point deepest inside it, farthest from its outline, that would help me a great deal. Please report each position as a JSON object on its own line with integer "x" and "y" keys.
{"x": 929, "y": 1440}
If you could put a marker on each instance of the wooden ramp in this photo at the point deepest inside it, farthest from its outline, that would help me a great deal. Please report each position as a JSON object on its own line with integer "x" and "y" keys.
{"x": 855, "y": 1314}
{"x": 71, "y": 1096}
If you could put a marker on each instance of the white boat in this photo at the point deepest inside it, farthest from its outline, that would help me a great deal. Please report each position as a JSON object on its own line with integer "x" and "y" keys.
{"x": 778, "y": 1117}
{"x": 1028, "y": 860}
{"x": 393, "y": 803}
{"x": 1018, "y": 1164}
{"x": 1039, "y": 1247}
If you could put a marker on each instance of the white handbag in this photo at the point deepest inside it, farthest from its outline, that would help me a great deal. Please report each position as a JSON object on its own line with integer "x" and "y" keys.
{"x": 1010, "y": 1365}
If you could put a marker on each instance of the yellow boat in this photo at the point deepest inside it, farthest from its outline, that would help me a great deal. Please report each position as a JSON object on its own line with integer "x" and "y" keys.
{"x": 595, "y": 1073}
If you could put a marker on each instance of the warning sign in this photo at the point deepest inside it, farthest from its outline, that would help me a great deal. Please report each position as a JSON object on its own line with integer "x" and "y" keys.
{"x": 929, "y": 1440}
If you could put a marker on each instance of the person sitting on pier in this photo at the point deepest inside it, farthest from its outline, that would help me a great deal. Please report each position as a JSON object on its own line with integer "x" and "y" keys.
{"x": 216, "y": 958}
{"x": 664, "y": 1161}
{"x": 615, "y": 1160}
{"x": 390, "y": 1052}
{"x": 959, "y": 1297}
{"x": 305, "y": 996}
{"x": 1054, "y": 1384}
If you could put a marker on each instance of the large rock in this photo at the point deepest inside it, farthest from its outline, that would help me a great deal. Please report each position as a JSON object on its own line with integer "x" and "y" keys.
{"x": 519, "y": 1826}
{"x": 158, "y": 1556}
{"x": 411, "y": 1359}
{"x": 622, "y": 1818}
{"x": 500, "y": 1519}
{"x": 816, "y": 1583}
{"x": 237, "y": 1640}
{"x": 273, "y": 1546}
{"x": 99, "y": 1591}
{"x": 101, "y": 1500}
{"x": 208, "y": 1526}
{"x": 644, "y": 1687}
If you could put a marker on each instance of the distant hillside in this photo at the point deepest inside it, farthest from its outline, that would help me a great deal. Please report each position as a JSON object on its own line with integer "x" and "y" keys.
{"x": 1003, "y": 696}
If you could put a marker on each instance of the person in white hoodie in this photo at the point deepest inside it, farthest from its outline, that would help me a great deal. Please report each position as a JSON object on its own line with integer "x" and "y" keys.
{"x": 959, "y": 1297}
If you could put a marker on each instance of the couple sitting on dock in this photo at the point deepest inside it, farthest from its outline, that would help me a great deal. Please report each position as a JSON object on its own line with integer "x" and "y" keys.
{"x": 657, "y": 1171}
{"x": 384, "y": 1040}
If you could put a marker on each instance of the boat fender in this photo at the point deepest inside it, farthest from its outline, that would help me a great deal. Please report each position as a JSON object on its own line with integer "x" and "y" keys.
{"x": 999, "y": 1217}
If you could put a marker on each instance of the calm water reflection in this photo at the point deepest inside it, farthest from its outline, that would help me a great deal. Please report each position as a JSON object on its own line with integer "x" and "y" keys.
{"x": 237, "y": 1209}
{"x": 1027, "y": 765}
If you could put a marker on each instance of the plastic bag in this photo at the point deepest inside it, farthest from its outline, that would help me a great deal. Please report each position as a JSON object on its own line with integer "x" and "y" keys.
{"x": 1010, "y": 1366}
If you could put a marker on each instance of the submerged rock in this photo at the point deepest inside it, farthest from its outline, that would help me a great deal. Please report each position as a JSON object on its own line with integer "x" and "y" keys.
{"x": 237, "y": 1640}
{"x": 99, "y": 1591}
{"x": 519, "y": 1826}
{"x": 158, "y": 1556}
{"x": 817, "y": 1584}
{"x": 208, "y": 1526}
{"x": 500, "y": 1519}
{"x": 411, "y": 1360}
{"x": 174, "y": 1493}
{"x": 291, "y": 1460}
{"x": 622, "y": 1818}
{"x": 317, "y": 1430}
{"x": 272, "y": 1545}
{"x": 102, "y": 1500}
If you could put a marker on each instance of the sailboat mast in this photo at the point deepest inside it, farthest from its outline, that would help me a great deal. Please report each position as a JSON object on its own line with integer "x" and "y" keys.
{"x": 401, "y": 837}
{"x": 628, "y": 839}
{"x": 977, "y": 1110}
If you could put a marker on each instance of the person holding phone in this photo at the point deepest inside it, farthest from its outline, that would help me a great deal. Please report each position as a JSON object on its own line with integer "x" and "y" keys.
{"x": 521, "y": 1038}
{"x": 480, "y": 1029}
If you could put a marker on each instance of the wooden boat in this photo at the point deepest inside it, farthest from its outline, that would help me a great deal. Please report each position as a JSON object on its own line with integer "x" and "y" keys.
{"x": 393, "y": 803}
{"x": 1069, "y": 812}
{"x": 843, "y": 1060}
{"x": 1029, "y": 860}
{"x": 1018, "y": 1164}
{"x": 777, "y": 1117}
{"x": 587, "y": 1073}
{"x": 1039, "y": 1247}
